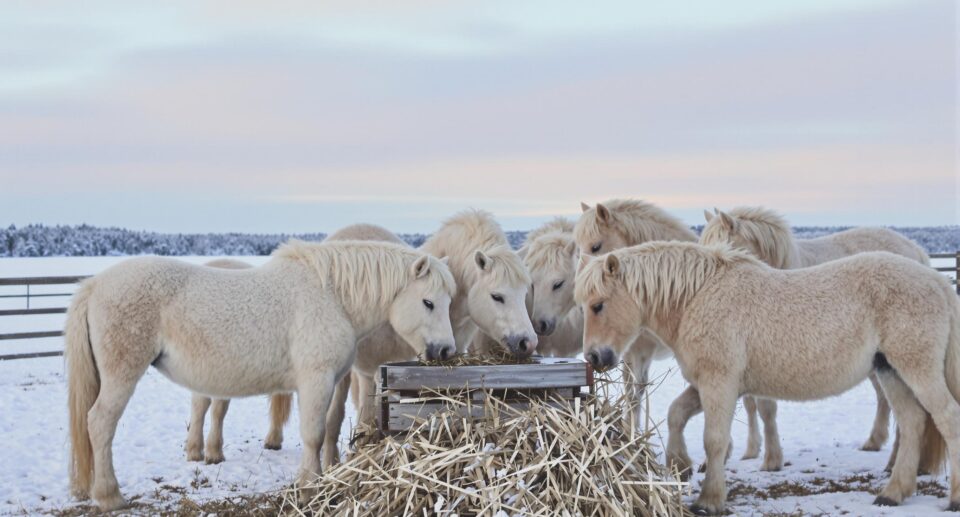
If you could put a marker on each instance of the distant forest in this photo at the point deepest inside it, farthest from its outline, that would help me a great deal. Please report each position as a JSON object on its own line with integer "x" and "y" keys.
{"x": 38, "y": 240}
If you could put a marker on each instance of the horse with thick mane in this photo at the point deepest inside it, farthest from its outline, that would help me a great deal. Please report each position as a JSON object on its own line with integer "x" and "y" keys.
{"x": 295, "y": 330}
{"x": 767, "y": 235}
{"x": 738, "y": 326}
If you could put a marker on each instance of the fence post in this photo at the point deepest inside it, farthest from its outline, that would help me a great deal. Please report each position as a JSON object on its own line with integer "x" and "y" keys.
{"x": 956, "y": 278}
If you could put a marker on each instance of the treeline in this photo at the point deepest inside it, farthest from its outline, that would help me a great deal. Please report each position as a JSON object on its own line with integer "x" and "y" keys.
{"x": 37, "y": 240}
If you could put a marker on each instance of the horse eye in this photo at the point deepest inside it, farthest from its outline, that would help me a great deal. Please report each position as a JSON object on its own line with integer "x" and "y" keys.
{"x": 557, "y": 285}
{"x": 428, "y": 304}
{"x": 596, "y": 247}
{"x": 596, "y": 308}
{"x": 497, "y": 298}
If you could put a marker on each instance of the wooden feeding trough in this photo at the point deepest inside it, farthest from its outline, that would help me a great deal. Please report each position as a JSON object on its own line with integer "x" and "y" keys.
{"x": 410, "y": 392}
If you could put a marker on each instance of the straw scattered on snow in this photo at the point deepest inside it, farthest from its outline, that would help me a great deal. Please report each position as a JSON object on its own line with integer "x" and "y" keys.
{"x": 548, "y": 459}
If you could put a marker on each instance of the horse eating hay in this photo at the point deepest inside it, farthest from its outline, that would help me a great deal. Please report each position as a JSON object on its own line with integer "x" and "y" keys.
{"x": 295, "y": 328}
{"x": 738, "y": 326}
{"x": 767, "y": 235}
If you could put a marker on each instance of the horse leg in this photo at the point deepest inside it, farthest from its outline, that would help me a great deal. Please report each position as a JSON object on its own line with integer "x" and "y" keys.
{"x": 929, "y": 386}
{"x": 314, "y": 400}
{"x": 910, "y": 418}
{"x": 682, "y": 409}
{"x": 773, "y": 459}
{"x": 753, "y": 429}
{"x": 279, "y": 414}
{"x": 366, "y": 413}
{"x": 102, "y": 424}
{"x": 331, "y": 450}
{"x": 636, "y": 375}
{"x": 198, "y": 411}
{"x": 719, "y": 401}
{"x": 881, "y": 421}
{"x": 214, "y": 448}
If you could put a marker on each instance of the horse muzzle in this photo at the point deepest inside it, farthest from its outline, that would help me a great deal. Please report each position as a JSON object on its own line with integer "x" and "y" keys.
{"x": 602, "y": 358}
{"x": 520, "y": 346}
{"x": 440, "y": 351}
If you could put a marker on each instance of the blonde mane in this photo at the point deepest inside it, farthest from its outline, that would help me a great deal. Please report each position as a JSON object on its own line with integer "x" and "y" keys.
{"x": 460, "y": 236}
{"x": 660, "y": 275}
{"x": 549, "y": 252}
{"x": 637, "y": 221}
{"x": 767, "y": 232}
{"x": 362, "y": 272}
{"x": 555, "y": 225}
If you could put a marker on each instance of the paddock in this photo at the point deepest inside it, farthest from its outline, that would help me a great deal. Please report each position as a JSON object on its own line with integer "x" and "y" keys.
{"x": 826, "y": 473}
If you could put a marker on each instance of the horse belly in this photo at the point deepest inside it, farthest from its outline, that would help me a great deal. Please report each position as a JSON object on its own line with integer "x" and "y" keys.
{"x": 815, "y": 382}
{"x": 237, "y": 376}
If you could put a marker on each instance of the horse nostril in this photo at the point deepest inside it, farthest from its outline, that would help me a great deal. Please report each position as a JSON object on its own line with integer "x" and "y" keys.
{"x": 522, "y": 345}
{"x": 444, "y": 353}
{"x": 594, "y": 358}
{"x": 543, "y": 326}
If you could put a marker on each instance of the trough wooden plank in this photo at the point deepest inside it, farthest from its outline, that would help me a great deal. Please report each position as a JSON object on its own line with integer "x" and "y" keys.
{"x": 548, "y": 373}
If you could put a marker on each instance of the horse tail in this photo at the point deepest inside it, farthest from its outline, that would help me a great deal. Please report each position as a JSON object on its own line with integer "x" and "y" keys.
{"x": 280, "y": 404}
{"x": 83, "y": 386}
{"x": 934, "y": 452}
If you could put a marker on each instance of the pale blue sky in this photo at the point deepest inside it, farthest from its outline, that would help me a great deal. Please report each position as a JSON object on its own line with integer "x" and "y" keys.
{"x": 237, "y": 116}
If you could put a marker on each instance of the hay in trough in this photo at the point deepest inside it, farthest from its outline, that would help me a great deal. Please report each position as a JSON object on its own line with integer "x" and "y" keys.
{"x": 547, "y": 459}
{"x": 495, "y": 356}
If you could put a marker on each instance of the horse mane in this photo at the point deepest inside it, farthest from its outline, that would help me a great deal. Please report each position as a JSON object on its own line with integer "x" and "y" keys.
{"x": 548, "y": 251}
{"x": 767, "y": 230}
{"x": 460, "y": 236}
{"x": 637, "y": 220}
{"x": 660, "y": 275}
{"x": 363, "y": 272}
{"x": 555, "y": 225}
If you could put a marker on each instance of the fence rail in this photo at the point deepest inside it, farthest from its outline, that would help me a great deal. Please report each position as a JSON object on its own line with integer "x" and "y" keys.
{"x": 27, "y": 282}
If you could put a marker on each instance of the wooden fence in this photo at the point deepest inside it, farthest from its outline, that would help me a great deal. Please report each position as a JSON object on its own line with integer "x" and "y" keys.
{"x": 27, "y": 282}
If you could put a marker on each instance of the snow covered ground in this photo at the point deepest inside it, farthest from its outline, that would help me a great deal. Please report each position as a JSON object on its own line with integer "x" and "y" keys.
{"x": 820, "y": 440}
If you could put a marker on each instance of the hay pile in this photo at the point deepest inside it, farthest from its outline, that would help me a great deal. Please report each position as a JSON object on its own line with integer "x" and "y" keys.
{"x": 549, "y": 459}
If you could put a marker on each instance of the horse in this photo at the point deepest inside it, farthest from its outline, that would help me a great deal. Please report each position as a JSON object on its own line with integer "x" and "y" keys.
{"x": 289, "y": 325}
{"x": 492, "y": 285}
{"x": 767, "y": 235}
{"x": 615, "y": 224}
{"x": 738, "y": 326}
{"x": 212, "y": 451}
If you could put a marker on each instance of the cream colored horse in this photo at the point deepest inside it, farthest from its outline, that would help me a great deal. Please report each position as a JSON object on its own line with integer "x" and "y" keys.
{"x": 738, "y": 326}
{"x": 492, "y": 285}
{"x": 212, "y": 450}
{"x": 289, "y": 325}
{"x": 768, "y": 236}
{"x": 616, "y": 224}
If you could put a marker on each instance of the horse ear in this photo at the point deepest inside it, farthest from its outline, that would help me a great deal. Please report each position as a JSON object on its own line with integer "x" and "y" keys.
{"x": 584, "y": 206}
{"x": 571, "y": 248}
{"x": 611, "y": 265}
{"x": 602, "y": 213}
{"x": 481, "y": 259}
{"x": 728, "y": 221}
{"x": 707, "y": 215}
{"x": 522, "y": 252}
{"x": 420, "y": 267}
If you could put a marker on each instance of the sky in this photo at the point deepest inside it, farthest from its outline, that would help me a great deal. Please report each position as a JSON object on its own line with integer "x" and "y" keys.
{"x": 302, "y": 116}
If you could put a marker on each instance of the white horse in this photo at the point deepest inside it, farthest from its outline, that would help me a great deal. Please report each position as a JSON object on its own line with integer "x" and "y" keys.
{"x": 212, "y": 450}
{"x": 738, "y": 326}
{"x": 767, "y": 235}
{"x": 289, "y": 325}
{"x": 492, "y": 285}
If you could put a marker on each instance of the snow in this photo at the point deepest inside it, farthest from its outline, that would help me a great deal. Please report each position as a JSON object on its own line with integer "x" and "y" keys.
{"x": 820, "y": 439}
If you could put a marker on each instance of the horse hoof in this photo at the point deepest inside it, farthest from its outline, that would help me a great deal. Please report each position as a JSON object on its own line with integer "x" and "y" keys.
{"x": 702, "y": 468}
{"x": 885, "y": 501}
{"x": 696, "y": 509}
{"x": 194, "y": 456}
{"x": 870, "y": 447}
{"x": 272, "y": 446}
{"x": 954, "y": 506}
{"x": 110, "y": 503}
{"x": 213, "y": 459}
